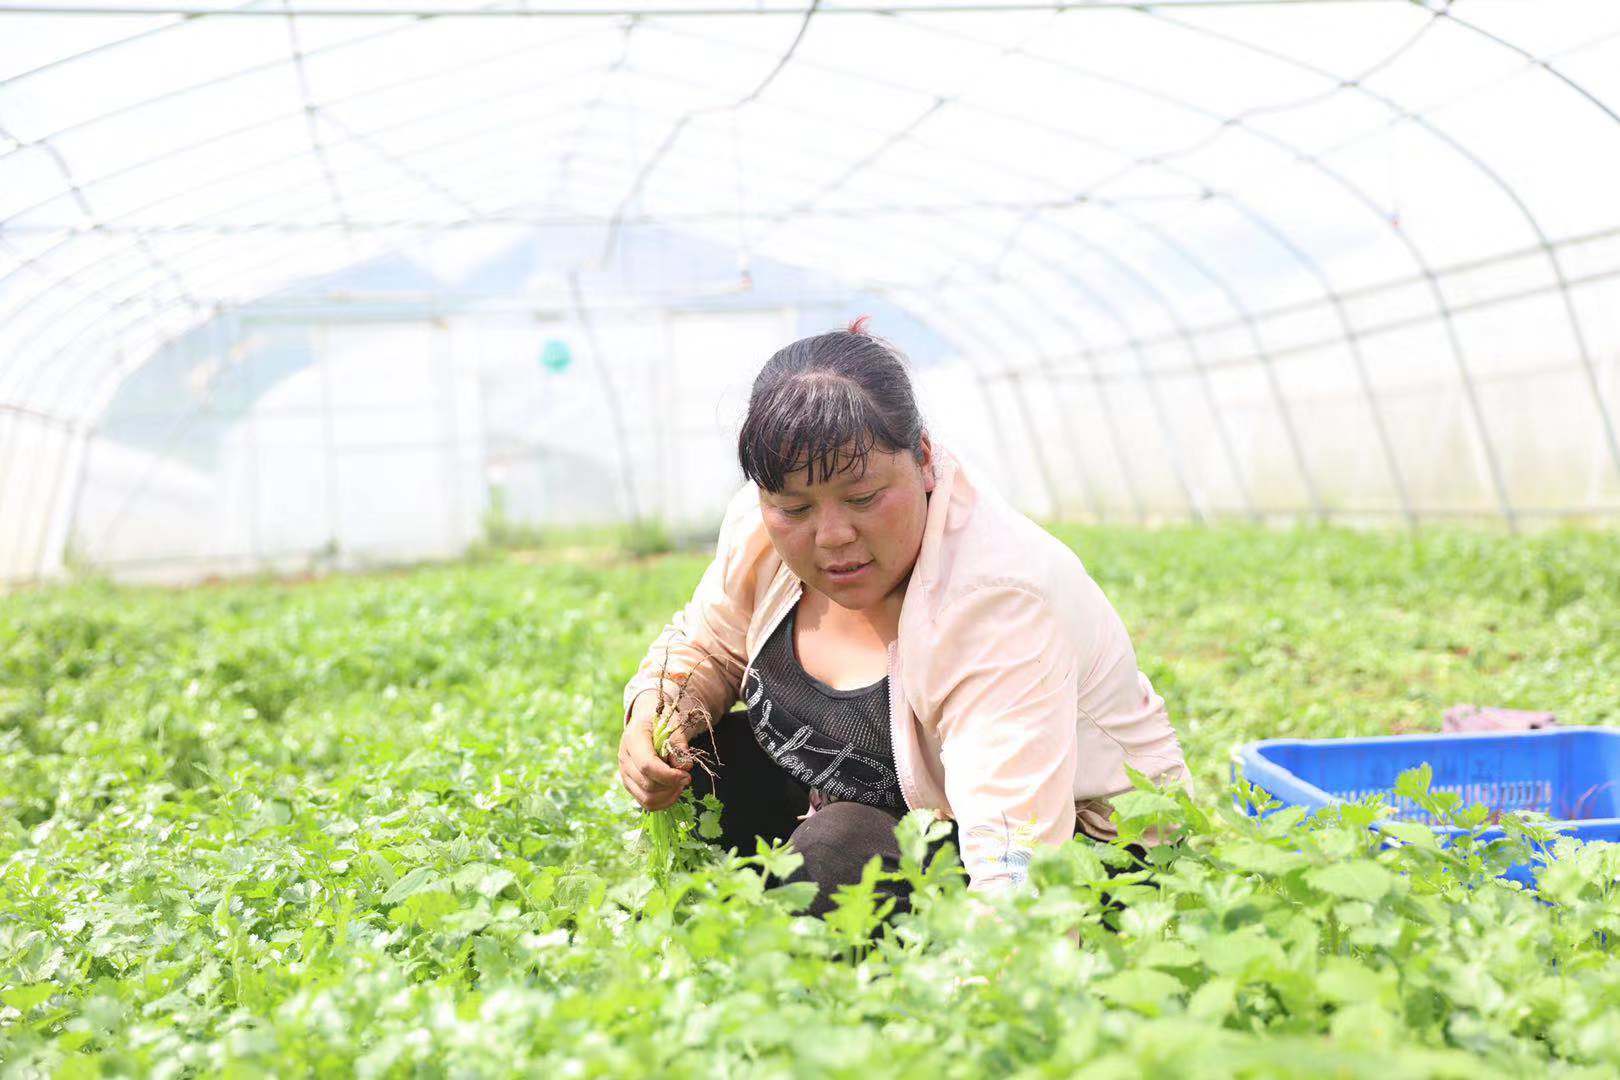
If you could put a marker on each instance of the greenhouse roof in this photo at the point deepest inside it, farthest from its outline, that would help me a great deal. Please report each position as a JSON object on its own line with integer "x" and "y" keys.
{"x": 1295, "y": 195}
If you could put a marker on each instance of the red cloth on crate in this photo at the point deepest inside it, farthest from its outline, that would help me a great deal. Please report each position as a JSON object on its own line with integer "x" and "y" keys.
{"x": 1475, "y": 718}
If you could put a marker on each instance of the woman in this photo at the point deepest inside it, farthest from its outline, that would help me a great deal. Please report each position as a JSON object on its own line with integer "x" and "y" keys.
{"x": 899, "y": 638}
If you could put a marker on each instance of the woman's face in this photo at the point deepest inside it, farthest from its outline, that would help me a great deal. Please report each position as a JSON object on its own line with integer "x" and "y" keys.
{"x": 872, "y": 519}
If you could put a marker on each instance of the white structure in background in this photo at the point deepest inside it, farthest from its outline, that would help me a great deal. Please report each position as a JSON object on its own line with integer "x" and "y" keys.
{"x": 352, "y": 425}
{"x": 283, "y": 305}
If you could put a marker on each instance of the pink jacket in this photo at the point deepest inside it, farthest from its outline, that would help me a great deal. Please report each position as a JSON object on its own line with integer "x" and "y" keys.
{"x": 1015, "y": 698}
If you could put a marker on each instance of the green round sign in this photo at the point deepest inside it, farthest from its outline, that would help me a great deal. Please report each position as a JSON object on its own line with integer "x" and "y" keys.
{"x": 556, "y": 356}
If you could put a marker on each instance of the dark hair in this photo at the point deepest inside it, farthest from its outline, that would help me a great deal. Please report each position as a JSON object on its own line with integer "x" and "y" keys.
{"x": 819, "y": 394}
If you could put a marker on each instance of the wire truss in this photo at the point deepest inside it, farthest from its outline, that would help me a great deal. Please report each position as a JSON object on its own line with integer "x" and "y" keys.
{"x": 1193, "y": 258}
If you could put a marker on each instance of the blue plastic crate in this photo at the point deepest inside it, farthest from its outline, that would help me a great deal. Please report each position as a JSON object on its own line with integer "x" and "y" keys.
{"x": 1571, "y": 774}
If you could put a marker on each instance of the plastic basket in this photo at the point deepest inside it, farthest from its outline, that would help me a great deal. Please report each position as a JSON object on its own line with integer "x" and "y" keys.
{"x": 1571, "y": 774}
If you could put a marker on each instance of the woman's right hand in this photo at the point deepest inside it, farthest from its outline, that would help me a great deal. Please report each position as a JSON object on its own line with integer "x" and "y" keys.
{"x": 651, "y": 781}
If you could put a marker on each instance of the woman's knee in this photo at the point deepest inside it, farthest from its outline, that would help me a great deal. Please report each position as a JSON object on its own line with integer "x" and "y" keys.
{"x": 847, "y": 826}
{"x": 836, "y": 843}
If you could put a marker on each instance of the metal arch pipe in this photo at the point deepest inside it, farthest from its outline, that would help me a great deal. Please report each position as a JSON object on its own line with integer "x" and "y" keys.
{"x": 1160, "y": 162}
{"x": 1106, "y": 407}
{"x": 944, "y": 315}
{"x": 82, "y": 201}
{"x": 1268, "y": 363}
{"x": 430, "y": 11}
{"x": 437, "y": 114}
{"x": 1092, "y": 495}
{"x": 390, "y": 31}
{"x": 180, "y": 194}
{"x": 1170, "y": 310}
{"x": 24, "y": 492}
{"x": 96, "y": 50}
{"x": 301, "y": 154}
{"x": 1150, "y": 385}
{"x": 937, "y": 242}
{"x": 226, "y": 255}
{"x": 26, "y": 264}
{"x": 259, "y": 166}
{"x": 1360, "y": 197}
{"x": 1105, "y": 403}
{"x": 587, "y": 113}
{"x": 69, "y": 280}
{"x": 1588, "y": 365}
{"x": 967, "y": 332}
{"x": 1252, "y": 214}
{"x": 935, "y": 239}
{"x": 1045, "y": 369}
{"x": 997, "y": 424}
{"x": 610, "y": 393}
{"x": 8, "y": 449}
{"x": 1059, "y": 313}
{"x": 1421, "y": 122}
{"x": 61, "y": 530}
{"x": 1026, "y": 412}
{"x": 135, "y": 105}
{"x": 907, "y": 131}
{"x": 665, "y": 145}
{"x": 1173, "y": 313}
{"x": 1358, "y": 360}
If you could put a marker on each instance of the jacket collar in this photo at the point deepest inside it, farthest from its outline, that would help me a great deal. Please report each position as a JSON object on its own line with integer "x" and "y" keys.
{"x": 949, "y": 504}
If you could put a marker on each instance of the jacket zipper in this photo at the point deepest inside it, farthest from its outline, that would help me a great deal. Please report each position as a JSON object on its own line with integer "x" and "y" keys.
{"x": 894, "y": 718}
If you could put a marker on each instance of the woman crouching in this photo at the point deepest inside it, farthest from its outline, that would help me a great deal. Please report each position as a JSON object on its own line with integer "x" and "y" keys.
{"x": 895, "y": 636}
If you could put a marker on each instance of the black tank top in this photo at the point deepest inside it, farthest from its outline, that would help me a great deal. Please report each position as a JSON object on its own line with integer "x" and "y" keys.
{"x": 835, "y": 740}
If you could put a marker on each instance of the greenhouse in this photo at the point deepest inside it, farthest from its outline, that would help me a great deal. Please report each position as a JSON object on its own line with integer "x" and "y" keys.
{"x": 377, "y": 377}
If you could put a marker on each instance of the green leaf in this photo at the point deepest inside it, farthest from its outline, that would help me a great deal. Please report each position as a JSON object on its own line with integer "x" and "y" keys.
{"x": 495, "y": 882}
{"x": 778, "y": 859}
{"x": 1142, "y": 989}
{"x": 1214, "y": 1000}
{"x": 1167, "y": 954}
{"x": 709, "y": 825}
{"x": 1354, "y": 879}
{"x": 421, "y": 878}
{"x": 1410, "y": 832}
{"x": 426, "y": 908}
{"x": 1414, "y": 783}
{"x": 795, "y": 895}
{"x": 1262, "y": 858}
{"x": 1133, "y": 805}
{"x": 24, "y": 998}
{"x": 1345, "y": 981}
{"x": 916, "y": 830}
{"x": 1238, "y": 954}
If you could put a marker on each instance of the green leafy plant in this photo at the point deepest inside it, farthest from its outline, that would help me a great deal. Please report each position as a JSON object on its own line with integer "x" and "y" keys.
{"x": 372, "y": 826}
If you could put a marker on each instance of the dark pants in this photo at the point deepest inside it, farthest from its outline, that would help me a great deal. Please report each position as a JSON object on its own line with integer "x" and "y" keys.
{"x": 761, "y": 800}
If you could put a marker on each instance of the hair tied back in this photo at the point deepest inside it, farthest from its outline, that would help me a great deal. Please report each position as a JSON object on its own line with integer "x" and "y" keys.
{"x": 858, "y": 326}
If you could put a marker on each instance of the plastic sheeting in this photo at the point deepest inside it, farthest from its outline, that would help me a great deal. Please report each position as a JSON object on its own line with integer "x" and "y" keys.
{"x": 1355, "y": 260}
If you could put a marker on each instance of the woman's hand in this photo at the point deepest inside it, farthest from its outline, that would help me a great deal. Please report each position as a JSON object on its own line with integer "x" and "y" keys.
{"x": 651, "y": 781}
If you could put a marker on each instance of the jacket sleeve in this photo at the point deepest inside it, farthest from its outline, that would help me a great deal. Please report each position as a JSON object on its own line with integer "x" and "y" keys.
{"x": 1006, "y": 727}
{"x": 713, "y": 624}
{"x": 1124, "y": 724}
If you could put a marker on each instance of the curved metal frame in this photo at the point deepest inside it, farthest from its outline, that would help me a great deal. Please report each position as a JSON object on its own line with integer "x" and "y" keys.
{"x": 54, "y": 379}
